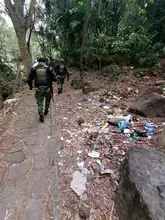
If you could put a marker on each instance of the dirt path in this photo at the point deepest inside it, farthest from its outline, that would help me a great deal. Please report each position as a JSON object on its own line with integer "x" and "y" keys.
{"x": 28, "y": 181}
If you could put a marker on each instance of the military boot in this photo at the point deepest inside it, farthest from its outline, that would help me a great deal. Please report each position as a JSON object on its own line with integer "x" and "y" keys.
{"x": 41, "y": 118}
{"x": 46, "y": 111}
{"x": 59, "y": 91}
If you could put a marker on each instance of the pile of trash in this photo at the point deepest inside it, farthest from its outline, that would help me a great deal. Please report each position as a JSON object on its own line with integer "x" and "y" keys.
{"x": 131, "y": 130}
{"x": 102, "y": 152}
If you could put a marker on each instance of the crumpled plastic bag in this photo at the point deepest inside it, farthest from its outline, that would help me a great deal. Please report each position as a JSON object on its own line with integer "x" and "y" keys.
{"x": 122, "y": 125}
{"x": 78, "y": 183}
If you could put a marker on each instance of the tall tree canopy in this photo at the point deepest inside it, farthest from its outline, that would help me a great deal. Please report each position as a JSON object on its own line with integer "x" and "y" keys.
{"x": 131, "y": 28}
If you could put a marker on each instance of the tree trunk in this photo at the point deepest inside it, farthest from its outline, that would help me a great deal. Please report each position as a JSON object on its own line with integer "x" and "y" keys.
{"x": 22, "y": 20}
{"x": 85, "y": 30}
{"x": 18, "y": 74}
{"x": 28, "y": 42}
{"x": 26, "y": 57}
{"x": 18, "y": 77}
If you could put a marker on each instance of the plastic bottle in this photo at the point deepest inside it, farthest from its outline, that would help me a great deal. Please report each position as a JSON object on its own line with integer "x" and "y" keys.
{"x": 134, "y": 137}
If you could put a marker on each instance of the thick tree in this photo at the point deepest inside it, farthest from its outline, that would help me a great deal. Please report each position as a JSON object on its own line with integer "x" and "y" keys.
{"x": 22, "y": 17}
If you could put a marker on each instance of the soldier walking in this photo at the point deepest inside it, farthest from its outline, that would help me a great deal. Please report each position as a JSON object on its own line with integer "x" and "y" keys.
{"x": 43, "y": 77}
{"x": 61, "y": 73}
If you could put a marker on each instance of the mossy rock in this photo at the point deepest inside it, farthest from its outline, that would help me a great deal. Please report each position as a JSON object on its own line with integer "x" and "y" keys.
{"x": 113, "y": 71}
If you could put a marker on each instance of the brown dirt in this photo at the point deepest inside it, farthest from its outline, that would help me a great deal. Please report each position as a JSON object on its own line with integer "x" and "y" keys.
{"x": 71, "y": 137}
{"x": 72, "y": 105}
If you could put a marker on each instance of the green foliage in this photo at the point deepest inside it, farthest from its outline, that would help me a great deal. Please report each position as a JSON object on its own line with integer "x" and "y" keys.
{"x": 9, "y": 52}
{"x": 130, "y": 28}
{"x": 9, "y": 49}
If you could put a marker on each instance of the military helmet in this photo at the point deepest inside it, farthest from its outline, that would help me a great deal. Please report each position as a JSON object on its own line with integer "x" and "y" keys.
{"x": 41, "y": 59}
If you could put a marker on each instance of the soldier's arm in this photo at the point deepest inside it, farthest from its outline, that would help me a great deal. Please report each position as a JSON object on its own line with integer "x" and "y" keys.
{"x": 66, "y": 72}
{"x": 53, "y": 75}
{"x": 31, "y": 78}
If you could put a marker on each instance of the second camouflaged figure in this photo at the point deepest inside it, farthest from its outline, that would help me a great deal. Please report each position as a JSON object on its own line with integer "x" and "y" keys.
{"x": 43, "y": 77}
{"x": 61, "y": 73}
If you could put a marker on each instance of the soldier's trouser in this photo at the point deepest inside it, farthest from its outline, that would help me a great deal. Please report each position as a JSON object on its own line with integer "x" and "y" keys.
{"x": 60, "y": 82}
{"x": 40, "y": 96}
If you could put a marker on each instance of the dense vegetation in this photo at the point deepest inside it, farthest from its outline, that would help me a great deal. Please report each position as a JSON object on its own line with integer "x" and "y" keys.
{"x": 93, "y": 32}
{"x": 9, "y": 51}
{"x": 131, "y": 31}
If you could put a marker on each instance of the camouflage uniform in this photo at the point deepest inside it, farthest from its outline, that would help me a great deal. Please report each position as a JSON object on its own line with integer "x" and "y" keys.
{"x": 43, "y": 76}
{"x": 61, "y": 73}
{"x": 41, "y": 94}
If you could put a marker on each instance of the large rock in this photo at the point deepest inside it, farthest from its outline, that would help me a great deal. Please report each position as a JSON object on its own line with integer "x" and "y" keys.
{"x": 113, "y": 71}
{"x": 161, "y": 140}
{"x": 76, "y": 83}
{"x": 149, "y": 104}
{"x": 141, "y": 191}
{"x": 159, "y": 82}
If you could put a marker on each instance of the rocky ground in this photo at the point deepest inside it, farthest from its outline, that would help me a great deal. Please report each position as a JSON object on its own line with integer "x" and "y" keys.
{"x": 29, "y": 180}
{"x": 75, "y": 141}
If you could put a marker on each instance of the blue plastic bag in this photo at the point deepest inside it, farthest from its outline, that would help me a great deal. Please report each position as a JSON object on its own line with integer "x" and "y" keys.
{"x": 123, "y": 125}
{"x": 150, "y": 129}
